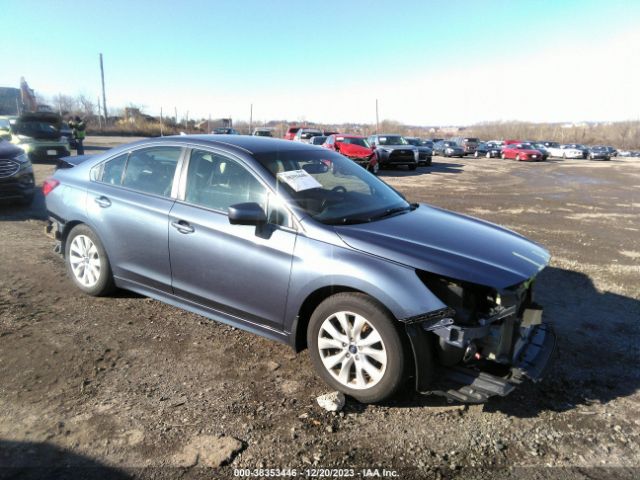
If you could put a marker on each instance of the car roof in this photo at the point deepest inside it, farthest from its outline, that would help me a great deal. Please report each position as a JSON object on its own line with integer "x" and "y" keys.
{"x": 246, "y": 143}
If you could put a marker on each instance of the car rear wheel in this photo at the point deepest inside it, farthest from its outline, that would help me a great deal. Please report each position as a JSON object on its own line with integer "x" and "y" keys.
{"x": 87, "y": 262}
{"x": 356, "y": 348}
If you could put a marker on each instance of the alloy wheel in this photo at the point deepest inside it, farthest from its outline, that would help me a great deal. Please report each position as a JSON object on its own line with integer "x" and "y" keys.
{"x": 85, "y": 261}
{"x": 352, "y": 350}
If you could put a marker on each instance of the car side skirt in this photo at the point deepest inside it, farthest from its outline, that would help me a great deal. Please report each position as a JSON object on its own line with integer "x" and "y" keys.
{"x": 209, "y": 313}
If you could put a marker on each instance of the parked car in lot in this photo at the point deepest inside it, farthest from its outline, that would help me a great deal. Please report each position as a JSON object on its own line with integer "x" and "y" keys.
{"x": 17, "y": 183}
{"x": 305, "y": 135}
{"x": 599, "y": 153}
{"x": 262, "y": 132}
{"x": 578, "y": 146}
{"x": 541, "y": 148}
{"x": 554, "y": 149}
{"x": 569, "y": 151}
{"x": 262, "y": 235}
{"x": 488, "y": 150}
{"x": 225, "y": 131}
{"x": 448, "y": 148}
{"x": 38, "y": 134}
{"x": 291, "y": 133}
{"x": 393, "y": 150}
{"x": 468, "y": 144}
{"x": 317, "y": 140}
{"x": 5, "y": 126}
{"x": 522, "y": 152}
{"x": 356, "y": 148}
{"x": 425, "y": 152}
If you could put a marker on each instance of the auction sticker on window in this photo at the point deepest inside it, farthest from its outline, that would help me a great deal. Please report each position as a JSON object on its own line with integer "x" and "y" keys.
{"x": 299, "y": 180}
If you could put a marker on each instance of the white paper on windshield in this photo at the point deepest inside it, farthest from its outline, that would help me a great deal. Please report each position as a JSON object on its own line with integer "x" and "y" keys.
{"x": 299, "y": 180}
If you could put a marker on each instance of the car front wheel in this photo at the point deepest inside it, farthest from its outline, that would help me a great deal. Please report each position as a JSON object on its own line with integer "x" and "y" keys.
{"x": 356, "y": 348}
{"x": 87, "y": 262}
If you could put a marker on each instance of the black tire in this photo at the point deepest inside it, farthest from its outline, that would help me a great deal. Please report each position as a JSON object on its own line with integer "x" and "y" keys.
{"x": 383, "y": 323}
{"x": 104, "y": 284}
{"x": 413, "y": 166}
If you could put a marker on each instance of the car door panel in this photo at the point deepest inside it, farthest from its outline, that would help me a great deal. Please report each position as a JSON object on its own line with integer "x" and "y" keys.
{"x": 239, "y": 270}
{"x": 134, "y": 228}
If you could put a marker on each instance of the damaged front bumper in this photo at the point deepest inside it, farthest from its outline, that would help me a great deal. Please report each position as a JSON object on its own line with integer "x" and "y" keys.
{"x": 475, "y": 380}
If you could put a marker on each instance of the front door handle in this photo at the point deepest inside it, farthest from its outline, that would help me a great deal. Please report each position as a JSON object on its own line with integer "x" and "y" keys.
{"x": 182, "y": 226}
{"x": 104, "y": 202}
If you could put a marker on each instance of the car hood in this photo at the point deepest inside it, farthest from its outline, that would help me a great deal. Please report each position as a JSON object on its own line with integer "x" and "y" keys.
{"x": 451, "y": 245}
{"x": 9, "y": 150}
{"x": 355, "y": 150}
{"x": 397, "y": 147}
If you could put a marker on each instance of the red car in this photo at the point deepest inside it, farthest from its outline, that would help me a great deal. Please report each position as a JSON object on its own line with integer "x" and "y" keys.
{"x": 522, "y": 152}
{"x": 356, "y": 148}
{"x": 291, "y": 133}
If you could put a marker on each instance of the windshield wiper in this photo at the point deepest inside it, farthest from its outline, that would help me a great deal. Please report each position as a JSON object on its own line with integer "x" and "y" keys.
{"x": 393, "y": 211}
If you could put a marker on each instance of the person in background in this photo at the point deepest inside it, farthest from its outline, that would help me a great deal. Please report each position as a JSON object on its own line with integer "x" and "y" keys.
{"x": 78, "y": 129}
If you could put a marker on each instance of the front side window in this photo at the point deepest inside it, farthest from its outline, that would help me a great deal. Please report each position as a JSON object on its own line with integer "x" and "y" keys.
{"x": 151, "y": 170}
{"x": 331, "y": 188}
{"x": 217, "y": 182}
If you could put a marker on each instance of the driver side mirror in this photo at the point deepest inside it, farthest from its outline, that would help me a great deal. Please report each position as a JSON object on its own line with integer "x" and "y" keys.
{"x": 249, "y": 213}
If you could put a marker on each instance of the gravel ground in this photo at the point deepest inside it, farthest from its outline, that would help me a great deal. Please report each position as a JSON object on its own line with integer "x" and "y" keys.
{"x": 129, "y": 387}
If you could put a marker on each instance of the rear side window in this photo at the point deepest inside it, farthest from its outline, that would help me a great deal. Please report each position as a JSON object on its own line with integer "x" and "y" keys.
{"x": 113, "y": 170}
{"x": 151, "y": 170}
{"x": 217, "y": 182}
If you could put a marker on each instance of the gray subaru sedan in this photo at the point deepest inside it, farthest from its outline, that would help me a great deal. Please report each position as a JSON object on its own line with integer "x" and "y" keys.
{"x": 299, "y": 244}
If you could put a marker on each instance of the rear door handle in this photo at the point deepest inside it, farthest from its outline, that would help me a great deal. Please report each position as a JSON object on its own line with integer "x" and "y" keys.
{"x": 104, "y": 202}
{"x": 182, "y": 226}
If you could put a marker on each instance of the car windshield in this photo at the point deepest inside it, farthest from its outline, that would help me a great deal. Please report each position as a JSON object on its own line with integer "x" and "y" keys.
{"x": 331, "y": 188}
{"x": 392, "y": 140}
{"x": 525, "y": 146}
{"x": 413, "y": 141}
{"x": 362, "y": 142}
{"x": 34, "y": 127}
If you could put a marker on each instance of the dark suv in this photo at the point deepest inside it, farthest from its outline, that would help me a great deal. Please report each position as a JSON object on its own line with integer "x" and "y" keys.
{"x": 394, "y": 150}
{"x": 17, "y": 182}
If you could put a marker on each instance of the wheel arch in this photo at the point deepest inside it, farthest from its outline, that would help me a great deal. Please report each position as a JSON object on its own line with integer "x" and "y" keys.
{"x": 311, "y": 302}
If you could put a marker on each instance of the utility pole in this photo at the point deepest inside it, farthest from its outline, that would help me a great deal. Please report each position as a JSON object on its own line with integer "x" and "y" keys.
{"x": 104, "y": 96}
{"x": 251, "y": 120}
{"x": 175, "y": 111}
{"x": 376, "y": 115}
{"x": 99, "y": 114}
{"x": 161, "y": 129}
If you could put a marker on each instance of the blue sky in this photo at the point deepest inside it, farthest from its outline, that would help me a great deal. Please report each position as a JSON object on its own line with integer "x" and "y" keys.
{"x": 428, "y": 62}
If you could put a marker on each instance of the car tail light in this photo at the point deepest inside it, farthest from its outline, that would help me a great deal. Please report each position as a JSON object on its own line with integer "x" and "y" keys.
{"x": 48, "y": 185}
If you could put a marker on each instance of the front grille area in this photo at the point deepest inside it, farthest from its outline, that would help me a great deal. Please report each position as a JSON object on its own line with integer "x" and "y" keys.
{"x": 401, "y": 156}
{"x": 8, "y": 168}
